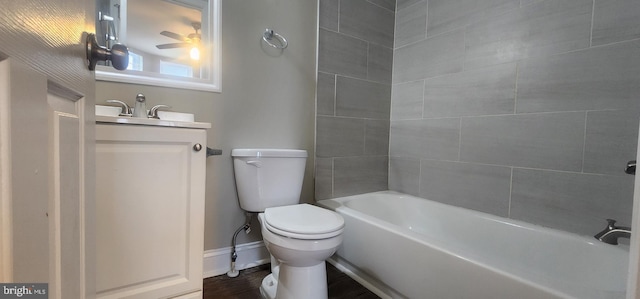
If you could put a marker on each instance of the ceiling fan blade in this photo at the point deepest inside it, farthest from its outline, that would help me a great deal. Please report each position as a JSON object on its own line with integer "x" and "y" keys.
{"x": 174, "y": 35}
{"x": 173, "y": 45}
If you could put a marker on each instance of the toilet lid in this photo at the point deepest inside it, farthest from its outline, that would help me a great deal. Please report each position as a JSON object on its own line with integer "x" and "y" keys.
{"x": 303, "y": 221}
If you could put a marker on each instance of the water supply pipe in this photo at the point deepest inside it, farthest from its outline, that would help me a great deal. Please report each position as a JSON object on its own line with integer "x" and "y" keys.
{"x": 234, "y": 255}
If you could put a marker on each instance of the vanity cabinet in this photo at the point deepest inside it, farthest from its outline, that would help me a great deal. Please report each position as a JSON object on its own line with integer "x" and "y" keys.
{"x": 149, "y": 211}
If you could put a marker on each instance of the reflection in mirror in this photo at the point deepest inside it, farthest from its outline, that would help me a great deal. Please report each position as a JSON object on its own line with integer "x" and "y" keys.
{"x": 168, "y": 41}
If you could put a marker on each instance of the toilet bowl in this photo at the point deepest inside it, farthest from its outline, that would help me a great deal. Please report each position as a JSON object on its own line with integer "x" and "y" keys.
{"x": 299, "y": 253}
{"x": 299, "y": 237}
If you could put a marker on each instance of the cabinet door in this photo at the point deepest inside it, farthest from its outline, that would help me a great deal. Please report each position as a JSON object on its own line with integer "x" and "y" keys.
{"x": 149, "y": 211}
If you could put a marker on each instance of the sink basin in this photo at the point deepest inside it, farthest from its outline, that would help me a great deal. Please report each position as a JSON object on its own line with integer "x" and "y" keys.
{"x": 107, "y": 110}
{"x": 176, "y": 116}
{"x": 103, "y": 110}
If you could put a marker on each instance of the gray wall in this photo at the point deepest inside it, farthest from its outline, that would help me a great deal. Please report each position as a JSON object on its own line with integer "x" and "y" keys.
{"x": 355, "y": 53}
{"x": 523, "y": 109}
{"x": 266, "y": 101}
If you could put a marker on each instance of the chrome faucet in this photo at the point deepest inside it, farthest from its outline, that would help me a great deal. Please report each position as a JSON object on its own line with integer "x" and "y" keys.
{"x": 612, "y": 233}
{"x": 126, "y": 110}
{"x": 140, "y": 109}
{"x": 153, "y": 112}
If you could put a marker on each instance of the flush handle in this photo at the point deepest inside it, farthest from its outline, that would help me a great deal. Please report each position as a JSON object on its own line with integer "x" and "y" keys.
{"x": 255, "y": 163}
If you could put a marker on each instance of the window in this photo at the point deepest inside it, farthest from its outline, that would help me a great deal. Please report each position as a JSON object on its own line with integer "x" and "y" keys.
{"x": 135, "y": 62}
{"x": 175, "y": 69}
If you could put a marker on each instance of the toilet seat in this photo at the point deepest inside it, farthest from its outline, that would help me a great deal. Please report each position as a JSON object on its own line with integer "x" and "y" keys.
{"x": 303, "y": 221}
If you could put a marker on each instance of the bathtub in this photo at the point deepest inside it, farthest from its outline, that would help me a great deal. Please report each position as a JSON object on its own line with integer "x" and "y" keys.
{"x": 404, "y": 246}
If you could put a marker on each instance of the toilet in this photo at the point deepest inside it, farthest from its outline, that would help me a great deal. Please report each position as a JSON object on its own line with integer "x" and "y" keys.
{"x": 299, "y": 237}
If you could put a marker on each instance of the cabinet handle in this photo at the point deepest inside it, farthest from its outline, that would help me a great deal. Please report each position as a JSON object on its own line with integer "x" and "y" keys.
{"x": 197, "y": 147}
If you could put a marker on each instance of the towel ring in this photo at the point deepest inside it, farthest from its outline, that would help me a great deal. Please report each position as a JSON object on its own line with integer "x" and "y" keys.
{"x": 269, "y": 35}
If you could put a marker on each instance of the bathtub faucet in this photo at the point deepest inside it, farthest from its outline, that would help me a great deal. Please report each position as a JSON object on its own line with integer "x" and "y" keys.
{"x": 612, "y": 232}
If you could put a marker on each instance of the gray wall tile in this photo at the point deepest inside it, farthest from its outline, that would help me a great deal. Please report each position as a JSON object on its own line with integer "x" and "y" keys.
{"x": 367, "y": 21}
{"x": 353, "y": 96}
{"x": 328, "y": 15}
{"x": 547, "y": 140}
{"x": 479, "y": 187}
{"x": 406, "y": 100}
{"x": 599, "y": 78}
{"x": 380, "y": 63}
{"x": 337, "y": 136}
{"x": 590, "y": 86}
{"x": 326, "y": 94}
{"x": 341, "y": 54}
{"x": 575, "y": 202}
{"x": 387, "y": 4}
{"x": 446, "y": 15}
{"x": 425, "y": 139}
{"x": 480, "y": 92}
{"x": 443, "y": 54}
{"x": 543, "y": 28}
{"x": 404, "y": 175}
{"x": 324, "y": 178}
{"x": 401, "y": 4}
{"x": 615, "y": 20}
{"x": 359, "y": 98}
{"x": 611, "y": 141}
{"x": 376, "y": 138}
{"x": 528, "y": 2}
{"x": 356, "y": 175}
{"x": 411, "y": 24}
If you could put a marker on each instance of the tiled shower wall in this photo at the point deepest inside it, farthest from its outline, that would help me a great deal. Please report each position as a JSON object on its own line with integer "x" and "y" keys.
{"x": 525, "y": 109}
{"x": 355, "y": 55}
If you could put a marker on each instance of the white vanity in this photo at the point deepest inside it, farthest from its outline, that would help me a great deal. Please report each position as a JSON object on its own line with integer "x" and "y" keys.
{"x": 150, "y": 184}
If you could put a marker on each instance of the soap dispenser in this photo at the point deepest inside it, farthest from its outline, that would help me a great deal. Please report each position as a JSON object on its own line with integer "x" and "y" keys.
{"x": 140, "y": 109}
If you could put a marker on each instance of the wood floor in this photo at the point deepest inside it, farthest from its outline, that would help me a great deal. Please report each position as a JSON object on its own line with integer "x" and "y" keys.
{"x": 247, "y": 285}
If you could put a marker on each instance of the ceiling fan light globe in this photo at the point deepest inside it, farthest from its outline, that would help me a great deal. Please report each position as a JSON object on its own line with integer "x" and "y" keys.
{"x": 194, "y": 53}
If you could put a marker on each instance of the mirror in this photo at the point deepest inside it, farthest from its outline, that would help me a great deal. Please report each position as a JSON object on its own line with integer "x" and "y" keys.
{"x": 172, "y": 43}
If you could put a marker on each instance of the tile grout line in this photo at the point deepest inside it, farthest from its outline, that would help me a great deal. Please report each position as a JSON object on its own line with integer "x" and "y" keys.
{"x": 335, "y": 94}
{"x": 380, "y": 6}
{"x": 426, "y": 21}
{"x": 460, "y": 139}
{"x": 515, "y": 92}
{"x": 424, "y": 89}
{"x": 510, "y": 193}
{"x": 339, "y": 15}
{"x": 577, "y": 172}
{"x": 593, "y": 13}
{"x": 584, "y": 141}
{"x": 419, "y": 177}
{"x": 332, "y": 176}
{"x": 364, "y": 137}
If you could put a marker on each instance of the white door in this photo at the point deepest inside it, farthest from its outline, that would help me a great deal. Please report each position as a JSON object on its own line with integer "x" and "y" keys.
{"x": 47, "y": 146}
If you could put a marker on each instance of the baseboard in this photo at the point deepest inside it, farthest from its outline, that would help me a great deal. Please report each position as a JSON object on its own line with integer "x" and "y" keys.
{"x": 372, "y": 284}
{"x": 218, "y": 261}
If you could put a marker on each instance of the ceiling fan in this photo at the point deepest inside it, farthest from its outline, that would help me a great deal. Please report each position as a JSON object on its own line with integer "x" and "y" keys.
{"x": 188, "y": 41}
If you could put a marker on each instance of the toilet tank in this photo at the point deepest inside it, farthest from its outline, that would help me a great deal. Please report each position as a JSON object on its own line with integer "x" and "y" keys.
{"x": 268, "y": 177}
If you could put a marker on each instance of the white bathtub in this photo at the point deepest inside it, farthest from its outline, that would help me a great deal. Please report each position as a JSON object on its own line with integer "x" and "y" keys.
{"x": 411, "y": 247}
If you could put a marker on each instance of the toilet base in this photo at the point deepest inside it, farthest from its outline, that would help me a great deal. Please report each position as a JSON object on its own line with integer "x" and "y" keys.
{"x": 296, "y": 283}
{"x": 268, "y": 287}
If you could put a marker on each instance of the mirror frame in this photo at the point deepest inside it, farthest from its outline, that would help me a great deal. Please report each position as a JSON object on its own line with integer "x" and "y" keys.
{"x": 214, "y": 83}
